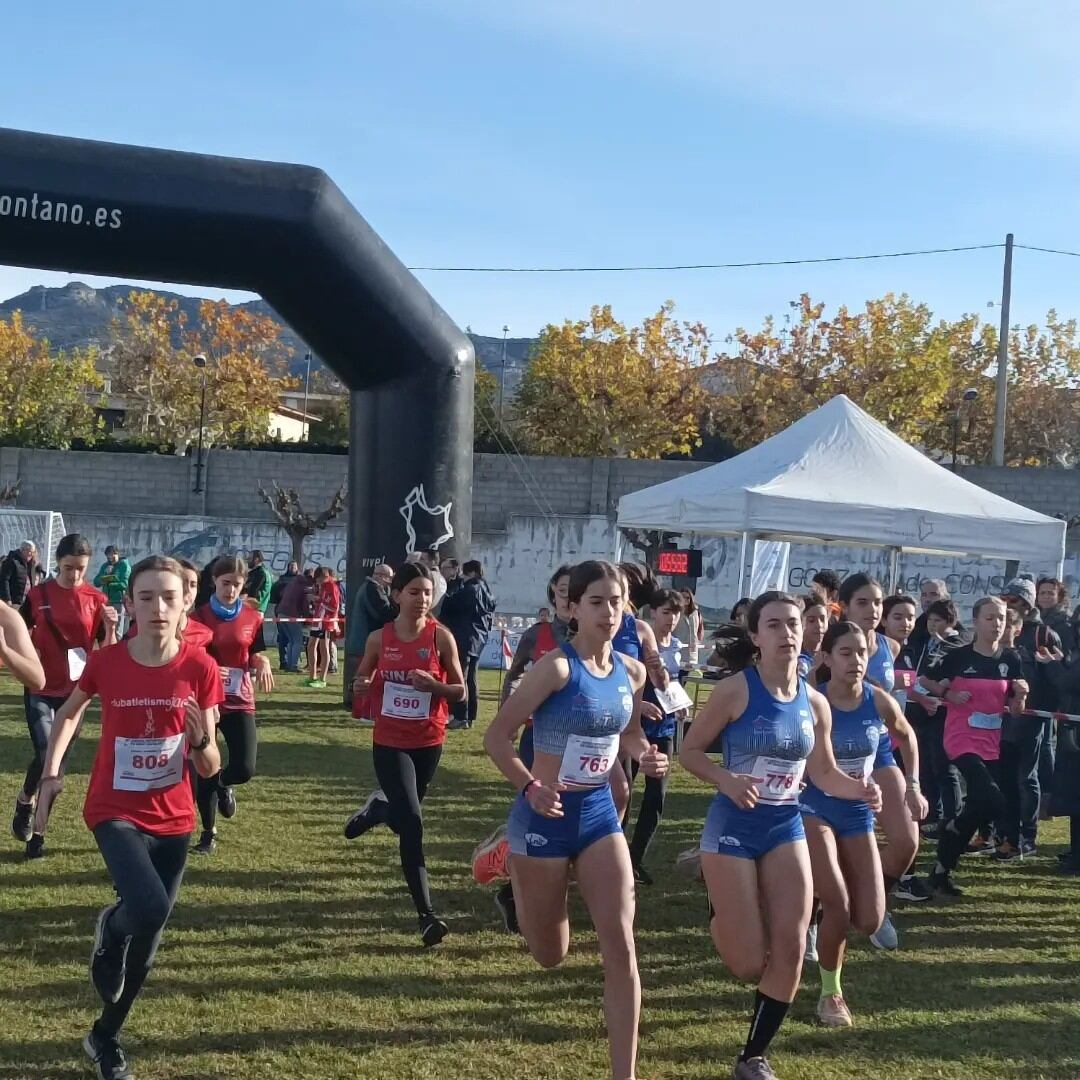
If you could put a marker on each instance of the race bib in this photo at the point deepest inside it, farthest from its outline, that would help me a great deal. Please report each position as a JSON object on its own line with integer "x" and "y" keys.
{"x": 76, "y": 663}
{"x": 405, "y": 703}
{"x": 985, "y": 721}
{"x": 148, "y": 764}
{"x": 858, "y": 768}
{"x": 674, "y": 698}
{"x": 234, "y": 681}
{"x": 780, "y": 780}
{"x": 587, "y": 760}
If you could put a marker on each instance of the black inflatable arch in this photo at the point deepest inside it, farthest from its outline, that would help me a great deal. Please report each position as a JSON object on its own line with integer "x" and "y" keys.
{"x": 288, "y": 233}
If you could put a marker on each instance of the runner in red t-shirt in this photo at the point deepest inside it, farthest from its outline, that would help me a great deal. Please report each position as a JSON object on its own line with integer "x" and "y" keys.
{"x": 158, "y": 696}
{"x": 411, "y": 670}
{"x": 323, "y": 632}
{"x": 193, "y": 632}
{"x": 239, "y": 649}
{"x": 66, "y": 616}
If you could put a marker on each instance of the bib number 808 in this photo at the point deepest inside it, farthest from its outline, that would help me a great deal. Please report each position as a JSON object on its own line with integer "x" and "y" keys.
{"x": 149, "y": 761}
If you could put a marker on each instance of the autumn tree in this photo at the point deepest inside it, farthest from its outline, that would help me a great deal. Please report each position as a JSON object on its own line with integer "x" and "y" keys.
{"x": 599, "y": 388}
{"x": 486, "y": 421}
{"x": 153, "y": 369}
{"x": 46, "y": 399}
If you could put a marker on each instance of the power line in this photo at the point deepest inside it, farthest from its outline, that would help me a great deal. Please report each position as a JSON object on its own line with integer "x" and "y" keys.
{"x": 706, "y": 266}
{"x": 1048, "y": 251}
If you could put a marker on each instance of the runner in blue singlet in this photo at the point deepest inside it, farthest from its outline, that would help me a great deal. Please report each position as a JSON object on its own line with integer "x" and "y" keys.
{"x": 585, "y": 701}
{"x": 773, "y": 727}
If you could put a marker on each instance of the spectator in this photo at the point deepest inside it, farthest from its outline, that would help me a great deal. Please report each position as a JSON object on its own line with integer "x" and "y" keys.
{"x": 690, "y": 627}
{"x": 259, "y": 582}
{"x": 277, "y": 591}
{"x": 827, "y": 582}
{"x": 295, "y": 603}
{"x": 544, "y": 615}
{"x": 17, "y": 574}
{"x": 930, "y": 592}
{"x": 1052, "y": 600}
{"x": 467, "y": 613}
{"x": 451, "y": 571}
{"x": 372, "y": 609}
{"x": 112, "y": 580}
{"x": 428, "y": 559}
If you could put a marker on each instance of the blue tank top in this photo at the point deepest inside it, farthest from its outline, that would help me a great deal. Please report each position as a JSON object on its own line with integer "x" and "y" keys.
{"x": 879, "y": 667}
{"x": 587, "y": 705}
{"x": 855, "y": 739}
{"x": 626, "y": 638}
{"x": 768, "y": 728}
{"x": 671, "y": 658}
{"x": 805, "y": 665}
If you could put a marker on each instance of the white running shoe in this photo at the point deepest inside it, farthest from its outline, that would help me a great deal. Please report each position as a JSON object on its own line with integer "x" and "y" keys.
{"x": 811, "y": 943}
{"x": 688, "y": 863}
{"x": 885, "y": 937}
{"x": 832, "y": 1011}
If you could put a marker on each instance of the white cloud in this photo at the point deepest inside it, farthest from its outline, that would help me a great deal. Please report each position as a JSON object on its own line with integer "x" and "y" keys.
{"x": 997, "y": 69}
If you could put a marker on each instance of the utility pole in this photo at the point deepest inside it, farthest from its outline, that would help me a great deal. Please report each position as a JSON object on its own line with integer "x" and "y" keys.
{"x": 307, "y": 387}
{"x": 1003, "y": 357}
{"x": 502, "y": 373}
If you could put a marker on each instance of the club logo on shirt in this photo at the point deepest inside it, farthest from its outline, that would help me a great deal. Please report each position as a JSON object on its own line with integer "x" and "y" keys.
{"x": 148, "y": 730}
{"x": 760, "y": 723}
{"x": 970, "y": 671}
{"x": 729, "y": 841}
{"x": 534, "y": 839}
{"x": 424, "y": 654}
{"x": 627, "y": 702}
{"x": 1003, "y": 670}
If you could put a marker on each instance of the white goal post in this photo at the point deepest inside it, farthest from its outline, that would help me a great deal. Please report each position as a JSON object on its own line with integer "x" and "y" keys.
{"x": 43, "y": 527}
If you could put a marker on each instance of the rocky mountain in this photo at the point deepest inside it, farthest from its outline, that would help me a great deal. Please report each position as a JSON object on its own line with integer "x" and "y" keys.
{"x": 77, "y": 315}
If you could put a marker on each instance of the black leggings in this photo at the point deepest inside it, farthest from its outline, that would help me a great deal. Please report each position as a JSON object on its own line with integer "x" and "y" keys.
{"x": 467, "y": 708}
{"x": 40, "y": 712}
{"x": 652, "y": 804}
{"x": 147, "y": 871}
{"x": 404, "y": 776}
{"x": 242, "y": 739}
{"x": 984, "y": 802}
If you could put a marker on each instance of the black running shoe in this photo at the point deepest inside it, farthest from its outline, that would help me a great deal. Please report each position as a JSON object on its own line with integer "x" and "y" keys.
{"x": 22, "y": 824}
{"x": 507, "y": 907}
{"x": 943, "y": 884}
{"x": 110, "y": 1061}
{"x": 368, "y": 816}
{"x": 432, "y": 930}
{"x": 35, "y": 846}
{"x": 207, "y": 843}
{"x": 107, "y": 962}
{"x": 641, "y": 875}
{"x": 226, "y": 801}
{"x": 913, "y": 889}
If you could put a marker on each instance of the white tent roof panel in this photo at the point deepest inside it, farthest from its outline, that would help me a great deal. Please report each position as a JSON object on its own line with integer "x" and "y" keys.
{"x": 838, "y": 475}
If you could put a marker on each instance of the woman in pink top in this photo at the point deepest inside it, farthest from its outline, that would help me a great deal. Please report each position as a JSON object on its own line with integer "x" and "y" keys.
{"x": 977, "y": 682}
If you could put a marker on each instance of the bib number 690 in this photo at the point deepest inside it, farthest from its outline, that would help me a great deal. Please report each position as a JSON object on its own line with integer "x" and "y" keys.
{"x": 406, "y": 702}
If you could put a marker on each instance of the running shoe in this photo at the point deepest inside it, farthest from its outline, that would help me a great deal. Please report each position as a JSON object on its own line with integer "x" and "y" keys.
{"x": 1028, "y": 847}
{"x": 688, "y": 863}
{"x": 982, "y": 845}
{"x": 364, "y": 721}
{"x": 507, "y": 908}
{"x": 913, "y": 889}
{"x": 22, "y": 824}
{"x": 754, "y": 1069}
{"x": 1006, "y": 852}
{"x": 432, "y": 930}
{"x": 207, "y": 843}
{"x": 930, "y": 829}
{"x": 810, "y": 952}
{"x": 226, "y": 801}
{"x": 107, "y": 962}
{"x": 832, "y": 1011}
{"x": 489, "y": 858}
{"x": 944, "y": 884}
{"x": 35, "y": 847}
{"x": 641, "y": 875}
{"x": 458, "y": 725}
{"x": 364, "y": 819}
{"x": 885, "y": 936}
{"x": 110, "y": 1061}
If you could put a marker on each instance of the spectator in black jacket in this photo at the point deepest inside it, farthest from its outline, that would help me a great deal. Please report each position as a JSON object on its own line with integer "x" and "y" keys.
{"x": 467, "y": 613}
{"x": 1022, "y": 737}
{"x": 1052, "y": 599}
{"x": 17, "y": 574}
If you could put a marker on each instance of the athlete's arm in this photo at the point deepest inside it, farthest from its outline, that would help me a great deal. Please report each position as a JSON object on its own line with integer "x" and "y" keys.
{"x": 368, "y": 663}
{"x": 454, "y": 687}
{"x": 522, "y": 658}
{"x": 17, "y": 651}
{"x": 199, "y": 724}
{"x": 650, "y": 656}
{"x": 260, "y": 664}
{"x": 904, "y": 734}
{"x": 543, "y": 679}
{"x": 727, "y": 701}
{"x": 821, "y": 765}
{"x": 633, "y": 740}
{"x": 64, "y": 729}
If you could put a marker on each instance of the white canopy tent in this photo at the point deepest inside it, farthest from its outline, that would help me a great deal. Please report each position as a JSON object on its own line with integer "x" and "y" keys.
{"x": 838, "y": 476}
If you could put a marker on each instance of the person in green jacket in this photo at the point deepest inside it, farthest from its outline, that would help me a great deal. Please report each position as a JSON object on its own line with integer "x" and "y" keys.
{"x": 259, "y": 582}
{"x": 112, "y": 578}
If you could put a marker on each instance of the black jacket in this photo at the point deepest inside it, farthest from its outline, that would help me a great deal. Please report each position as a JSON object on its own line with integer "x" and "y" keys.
{"x": 14, "y": 578}
{"x": 1041, "y": 678}
{"x": 372, "y": 609}
{"x": 467, "y": 613}
{"x": 277, "y": 590}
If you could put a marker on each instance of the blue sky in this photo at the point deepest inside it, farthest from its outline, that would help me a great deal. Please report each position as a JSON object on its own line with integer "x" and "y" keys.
{"x": 611, "y": 132}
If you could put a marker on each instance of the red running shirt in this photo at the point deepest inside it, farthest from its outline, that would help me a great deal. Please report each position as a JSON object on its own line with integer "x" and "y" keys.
{"x": 329, "y": 607}
{"x": 233, "y": 644}
{"x": 545, "y": 643}
{"x": 140, "y": 771}
{"x": 405, "y": 718}
{"x": 76, "y": 616}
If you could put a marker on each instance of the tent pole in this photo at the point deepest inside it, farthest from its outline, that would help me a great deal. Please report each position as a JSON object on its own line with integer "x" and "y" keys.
{"x": 746, "y": 562}
{"x": 894, "y": 568}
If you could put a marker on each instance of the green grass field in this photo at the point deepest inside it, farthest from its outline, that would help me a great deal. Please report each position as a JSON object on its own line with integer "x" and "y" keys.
{"x": 294, "y": 953}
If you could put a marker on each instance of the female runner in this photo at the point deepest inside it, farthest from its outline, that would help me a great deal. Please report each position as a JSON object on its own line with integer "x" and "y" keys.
{"x": 585, "y": 703}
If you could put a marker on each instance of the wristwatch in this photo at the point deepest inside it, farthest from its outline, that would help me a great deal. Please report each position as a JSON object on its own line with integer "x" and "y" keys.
{"x": 205, "y": 742}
